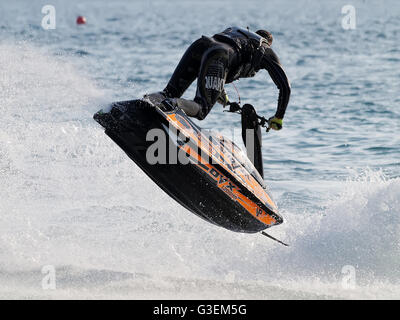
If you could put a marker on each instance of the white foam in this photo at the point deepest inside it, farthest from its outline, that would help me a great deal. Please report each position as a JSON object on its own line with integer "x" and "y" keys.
{"x": 360, "y": 227}
{"x": 71, "y": 198}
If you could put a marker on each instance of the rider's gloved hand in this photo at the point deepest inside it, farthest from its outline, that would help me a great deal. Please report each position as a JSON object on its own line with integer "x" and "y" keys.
{"x": 223, "y": 98}
{"x": 275, "y": 123}
{"x": 234, "y": 107}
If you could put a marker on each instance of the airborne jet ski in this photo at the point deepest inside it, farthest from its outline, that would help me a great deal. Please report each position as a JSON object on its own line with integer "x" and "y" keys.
{"x": 226, "y": 191}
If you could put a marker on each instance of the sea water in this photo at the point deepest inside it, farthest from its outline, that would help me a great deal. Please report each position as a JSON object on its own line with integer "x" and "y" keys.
{"x": 74, "y": 207}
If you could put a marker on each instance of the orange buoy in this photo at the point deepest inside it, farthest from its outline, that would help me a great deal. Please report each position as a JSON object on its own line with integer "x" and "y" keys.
{"x": 80, "y": 20}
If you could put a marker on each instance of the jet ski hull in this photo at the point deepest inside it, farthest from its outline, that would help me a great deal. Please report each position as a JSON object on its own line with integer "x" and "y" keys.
{"x": 210, "y": 190}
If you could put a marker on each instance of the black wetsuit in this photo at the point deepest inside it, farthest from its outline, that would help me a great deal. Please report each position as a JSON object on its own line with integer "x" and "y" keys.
{"x": 227, "y": 56}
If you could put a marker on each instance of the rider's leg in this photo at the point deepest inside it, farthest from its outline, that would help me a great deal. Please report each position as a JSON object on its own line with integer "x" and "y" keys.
{"x": 210, "y": 83}
{"x": 187, "y": 70}
{"x": 211, "y": 78}
{"x": 185, "y": 73}
{"x": 251, "y": 134}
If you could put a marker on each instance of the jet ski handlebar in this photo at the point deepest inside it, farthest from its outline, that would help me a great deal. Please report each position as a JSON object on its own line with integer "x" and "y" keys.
{"x": 235, "y": 107}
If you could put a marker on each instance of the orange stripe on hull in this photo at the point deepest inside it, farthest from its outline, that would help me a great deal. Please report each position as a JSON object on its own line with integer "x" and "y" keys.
{"x": 246, "y": 178}
{"x": 227, "y": 186}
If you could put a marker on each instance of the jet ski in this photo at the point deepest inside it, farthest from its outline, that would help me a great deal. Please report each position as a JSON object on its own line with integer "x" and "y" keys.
{"x": 216, "y": 180}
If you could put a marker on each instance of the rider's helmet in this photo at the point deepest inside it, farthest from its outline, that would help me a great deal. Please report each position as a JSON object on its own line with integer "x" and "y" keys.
{"x": 265, "y": 34}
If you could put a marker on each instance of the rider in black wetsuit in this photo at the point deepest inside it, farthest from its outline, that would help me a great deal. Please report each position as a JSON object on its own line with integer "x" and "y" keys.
{"x": 227, "y": 56}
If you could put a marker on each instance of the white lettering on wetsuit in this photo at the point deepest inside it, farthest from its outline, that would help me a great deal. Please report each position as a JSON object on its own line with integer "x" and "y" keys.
{"x": 214, "y": 83}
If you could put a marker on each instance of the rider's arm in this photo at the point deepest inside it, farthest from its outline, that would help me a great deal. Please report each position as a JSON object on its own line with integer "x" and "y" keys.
{"x": 271, "y": 63}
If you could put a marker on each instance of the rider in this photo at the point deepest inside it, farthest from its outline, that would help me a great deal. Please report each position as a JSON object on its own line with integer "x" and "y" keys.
{"x": 225, "y": 57}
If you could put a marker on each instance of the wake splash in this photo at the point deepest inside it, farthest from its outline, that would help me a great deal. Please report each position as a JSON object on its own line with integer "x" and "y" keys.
{"x": 72, "y": 199}
{"x": 360, "y": 228}
{"x": 45, "y": 107}
{"x": 37, "y": 86}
